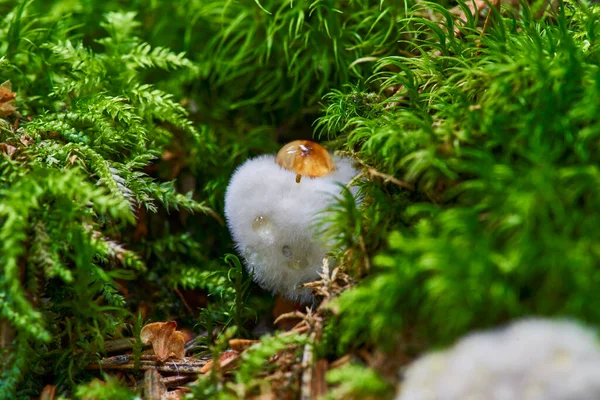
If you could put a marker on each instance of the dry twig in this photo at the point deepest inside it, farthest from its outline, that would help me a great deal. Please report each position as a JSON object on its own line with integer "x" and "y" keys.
{"x": 154, "y": 387}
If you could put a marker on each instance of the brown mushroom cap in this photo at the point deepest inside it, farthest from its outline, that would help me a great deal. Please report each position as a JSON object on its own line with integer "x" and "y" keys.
{"x": 165, "y": 340}
{"x": 305, "y": 158}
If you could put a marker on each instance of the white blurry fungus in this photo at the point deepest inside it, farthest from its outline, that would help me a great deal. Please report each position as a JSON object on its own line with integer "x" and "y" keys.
{"x": 271, "y": 219}
{"x": 532, "y": 359}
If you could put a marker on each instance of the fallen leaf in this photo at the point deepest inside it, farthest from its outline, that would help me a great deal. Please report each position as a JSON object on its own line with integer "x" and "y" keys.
{"x": 227, "y": 362}
{"x": 165, "y": 340}
{"x": 241, "y": 344}
{"x": 49, "y": 393}
{"x": 6, "y": 98}
{"x": 174, "y": 395}
{"x": 207, "y": 367}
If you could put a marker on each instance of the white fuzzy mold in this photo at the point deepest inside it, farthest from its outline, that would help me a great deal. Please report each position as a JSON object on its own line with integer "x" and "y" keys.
{"x": 271, "y": 219}
{"x": 533, "y": 359}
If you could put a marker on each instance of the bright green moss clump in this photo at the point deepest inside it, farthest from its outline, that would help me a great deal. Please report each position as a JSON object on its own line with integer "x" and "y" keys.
{"x": 500, "y": 132}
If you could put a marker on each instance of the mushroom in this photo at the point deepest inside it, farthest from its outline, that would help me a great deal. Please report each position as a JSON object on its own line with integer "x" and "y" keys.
{"x": 271, "y": 214}
{"x": 166, "y": 341}
{"x": 305, "y": 158}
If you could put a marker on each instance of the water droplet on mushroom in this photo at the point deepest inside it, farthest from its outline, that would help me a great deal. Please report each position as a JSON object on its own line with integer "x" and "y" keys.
{"x": 264, "y": 227}
{"x": 260, "y": 222}
{"x": 286, "y": 251}
{"x": 298, "y": 264}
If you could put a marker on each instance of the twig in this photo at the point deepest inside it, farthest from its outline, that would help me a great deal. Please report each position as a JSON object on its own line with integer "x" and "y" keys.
{"x": 187, "y": 306}
{"x": 290, "y": 315}
{"x": 363, "y": 248}
{"x": 306, "y": 380}
{"x": 7, "y": 334}
{"x": 177, "y": 380}
{"x": 375, "y": 173}
{"x": 319, "y": 383}
{"x": 388, "y": 178}
{"x": 154, "y": 387}
{"x": 341, "y": 361}
{"x": 125, "y": 362}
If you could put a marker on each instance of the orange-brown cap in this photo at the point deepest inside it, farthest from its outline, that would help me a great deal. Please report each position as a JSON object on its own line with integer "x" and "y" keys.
{"x": 305, "y": 158}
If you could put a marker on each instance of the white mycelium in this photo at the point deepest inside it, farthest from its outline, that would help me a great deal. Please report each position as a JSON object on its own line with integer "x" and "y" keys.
{"x": 533, "y": 359}
{"x": 271, "y": 219}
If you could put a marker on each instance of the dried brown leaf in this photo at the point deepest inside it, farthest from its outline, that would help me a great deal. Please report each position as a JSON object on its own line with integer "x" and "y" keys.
{"x": 6, "y": 98}
{"x": 165, "y": 340}
{"x": 227, "y": 361}
{"x": 174, "y": 395}
{"x": 241, "y": 344}
{"x": 207, "y": 367}
{"x": 49, "y": 393}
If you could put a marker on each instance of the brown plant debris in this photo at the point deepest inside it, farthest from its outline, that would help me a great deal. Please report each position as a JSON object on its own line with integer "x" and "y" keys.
{"x": 480, "y": 9}
{"x": 154, "y": 387}
{"x": 166, "y": 341}
{"x": 7, "y": 149}
{"x": 174, "y": 395}
{"x": 241, "y": 344}
{"x": 295, "y": 372}
{"x": 126, "y": 362}
{"x": 331, "y": 284}
{"x": 284, "y": 306}
{"x": 6, "y": 98}
{"x": 319, "y": 383}
{"x": 49, "y": 393}
{"x": 177, "y": 380}
{"x": 227, "y": 362}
